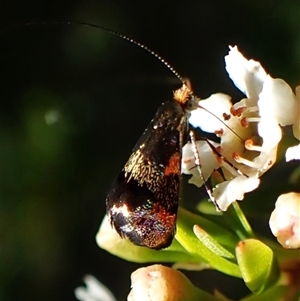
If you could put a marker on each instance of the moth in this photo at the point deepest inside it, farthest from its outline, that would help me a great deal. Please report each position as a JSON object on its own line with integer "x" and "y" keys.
{"x": 142, "y": 202}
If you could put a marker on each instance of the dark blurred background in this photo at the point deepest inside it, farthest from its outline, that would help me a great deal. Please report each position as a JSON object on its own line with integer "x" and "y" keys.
{"x": 74, "y": 100}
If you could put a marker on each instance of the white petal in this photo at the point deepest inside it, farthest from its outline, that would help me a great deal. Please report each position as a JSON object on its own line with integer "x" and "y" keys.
{"x": 230, "y": 191}
{"x": 94, "y": 291}
{"x": 277, "y": 99}
{"x": 293, "y": 153}
{"x": 247, "y": 75}
{"x": 270, "y": 132}
{"x": 266, "y": 160}
{"x": 208, "y": 162}
{"x": 218, "y": 104}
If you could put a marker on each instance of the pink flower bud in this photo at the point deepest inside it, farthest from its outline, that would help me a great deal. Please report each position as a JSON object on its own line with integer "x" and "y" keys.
{"x": 284, "y": 220}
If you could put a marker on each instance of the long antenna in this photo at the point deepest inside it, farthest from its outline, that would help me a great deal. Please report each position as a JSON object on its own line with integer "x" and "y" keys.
{"x": 126, "y": 38}
{"x": 122, "y": 36}
{"x": 140, "y": 45}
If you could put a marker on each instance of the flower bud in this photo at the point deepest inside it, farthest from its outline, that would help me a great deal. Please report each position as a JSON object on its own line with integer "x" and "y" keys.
{"x": 284, "y": 220}
{"x": 161, "y": 283}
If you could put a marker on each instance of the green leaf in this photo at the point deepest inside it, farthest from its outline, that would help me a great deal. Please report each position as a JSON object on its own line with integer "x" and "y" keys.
{"x": 223, "y": 236}
{"x": 211, "y": 243}
{"x": 257, "y": 264}
{"x": 197, "y": 249}
{"x": 275, "y": 293}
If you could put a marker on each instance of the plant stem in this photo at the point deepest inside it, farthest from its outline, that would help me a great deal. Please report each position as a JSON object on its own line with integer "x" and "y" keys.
{"x": 239, "y": 222}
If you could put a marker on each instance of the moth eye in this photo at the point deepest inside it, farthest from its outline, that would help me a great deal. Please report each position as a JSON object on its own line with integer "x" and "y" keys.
{"x": 191, "y": 104}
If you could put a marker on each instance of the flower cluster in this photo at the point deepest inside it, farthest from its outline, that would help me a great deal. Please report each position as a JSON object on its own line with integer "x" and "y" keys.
{"x": 249, "y": 133}
{"x": 249, "y": 130}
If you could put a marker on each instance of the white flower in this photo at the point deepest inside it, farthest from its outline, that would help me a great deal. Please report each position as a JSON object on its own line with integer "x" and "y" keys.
{"x": 278, "y": 100}
{"x": 247, "y": 75}
{"x": 249, "y": 130}
{"x": 188, "y": 163}
{"x": 94, "y": 291}
{"x": 230, "y": 191}
{"x": 284, "y": 220}
{"x": 218, "y": 104}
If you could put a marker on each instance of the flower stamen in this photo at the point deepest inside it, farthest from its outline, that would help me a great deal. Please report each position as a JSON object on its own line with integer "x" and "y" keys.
{"x": 237, "y": 112}
{"x": 253, "y": 119}
{"x": 246, "y": 120}
{"x": 252, "y": 109}
{"x": 219, "y": 133}
{"x": 249, "y": 145}
{"x": 244, "y": 161}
